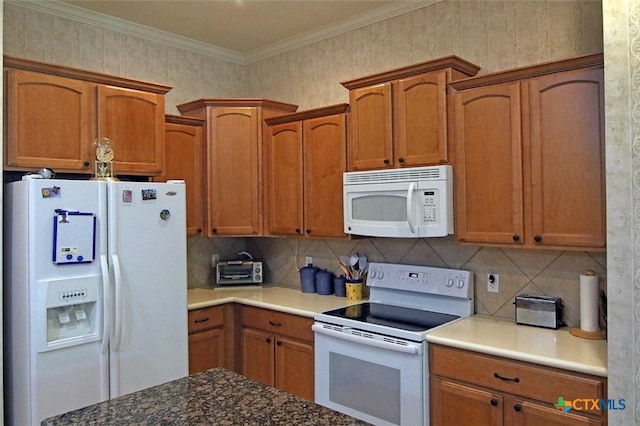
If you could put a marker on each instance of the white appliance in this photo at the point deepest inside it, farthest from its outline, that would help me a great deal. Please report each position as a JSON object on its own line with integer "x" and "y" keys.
{"x": 371, "y": 359}
{"x": 96, "y": 292}
{"x": 402, "y": 203}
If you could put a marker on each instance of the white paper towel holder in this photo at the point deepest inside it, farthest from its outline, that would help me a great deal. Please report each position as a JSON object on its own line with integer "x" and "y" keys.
{"x": 591, "y": 335}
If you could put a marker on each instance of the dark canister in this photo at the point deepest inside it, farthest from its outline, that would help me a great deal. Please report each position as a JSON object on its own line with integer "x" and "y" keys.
{"x": 324, "y": 282}
{"x": 308, "y": 278}
{"x": 339, "y": 286}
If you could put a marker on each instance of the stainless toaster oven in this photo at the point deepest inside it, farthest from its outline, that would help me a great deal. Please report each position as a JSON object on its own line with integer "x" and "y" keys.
{"x": 239, "y": 272}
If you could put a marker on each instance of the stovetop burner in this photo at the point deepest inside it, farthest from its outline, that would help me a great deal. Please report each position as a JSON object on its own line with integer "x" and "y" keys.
{"x": 392, "y": 316}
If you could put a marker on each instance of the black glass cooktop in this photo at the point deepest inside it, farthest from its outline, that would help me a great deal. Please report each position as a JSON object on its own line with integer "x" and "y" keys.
{"x": 392, "y": 316}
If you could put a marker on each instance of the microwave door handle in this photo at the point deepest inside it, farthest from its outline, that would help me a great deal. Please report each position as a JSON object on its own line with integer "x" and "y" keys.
{"x": 412, "y": 187}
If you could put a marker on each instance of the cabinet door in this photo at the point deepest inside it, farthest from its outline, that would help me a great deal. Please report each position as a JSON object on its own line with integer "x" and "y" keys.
{"x": 284, "y": 179}
{"x": 370, "y": 146}
{"x": 420, "y": 120}
{"x": 324, "y": 163}
{"x": 452, "y": 404}
{"x": 258, "y": 361}
{"x": 488, "y": 135}
{"x": 134, "y": 121}
{"x": 525, "y": 413}
{"x": 295, "y": 368}
{"x": 184, "y": 155}
{"x": 50, "y": 122}
{"x": 206, "y": 350}
{"x": 567, "y": 149}
{"x": 233, "y": 171}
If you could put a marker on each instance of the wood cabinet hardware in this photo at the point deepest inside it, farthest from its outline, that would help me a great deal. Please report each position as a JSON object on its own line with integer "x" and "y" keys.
{"x": 494, "y": 402}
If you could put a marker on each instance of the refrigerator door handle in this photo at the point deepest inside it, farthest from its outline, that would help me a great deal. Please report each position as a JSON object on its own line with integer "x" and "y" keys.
{"x": 106, "y": 304}
{"x": 118, "y": 301}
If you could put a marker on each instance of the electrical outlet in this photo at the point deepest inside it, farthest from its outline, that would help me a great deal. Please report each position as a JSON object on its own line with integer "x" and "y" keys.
{"x": 215, "y": 258}
{"x": 309, "y": 260}
{"x": 493, "y": 282}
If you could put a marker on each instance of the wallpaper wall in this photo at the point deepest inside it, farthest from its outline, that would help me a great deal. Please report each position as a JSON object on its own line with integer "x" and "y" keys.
{"x": 622, "y": 108}
{"x": 493, "y": 34}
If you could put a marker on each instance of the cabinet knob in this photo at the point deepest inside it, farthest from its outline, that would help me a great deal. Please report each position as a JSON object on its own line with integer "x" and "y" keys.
{"x": 386, "y": 161}
{"x": 297, "y": 230}
{"x": 278, "y": 342}
{"x": 86, "y": 164}
{"x": 494, "y": 402}
{"x": 268, "y": 340}
{"x": 537, "y": 238}
{"x": 214, "y": 230}
{"x": 199, "y": 230}
{"x": 516, "y": 238}
{"x": 401, "y": 160}
{"x": 308, "y": 231}
{"x": 517, "y": 407}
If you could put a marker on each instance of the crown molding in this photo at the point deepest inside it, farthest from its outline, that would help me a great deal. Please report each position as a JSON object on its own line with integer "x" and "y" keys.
{"x": 85, "y": 16}
{"x": 336, "y": 29}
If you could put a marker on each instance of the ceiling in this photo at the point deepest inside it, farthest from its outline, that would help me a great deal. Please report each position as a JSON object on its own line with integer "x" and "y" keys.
{"x": 247, "y": 26}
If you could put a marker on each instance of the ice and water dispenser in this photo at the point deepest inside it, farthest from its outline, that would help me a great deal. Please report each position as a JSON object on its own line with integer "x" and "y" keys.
{"x": 72, "y": 303}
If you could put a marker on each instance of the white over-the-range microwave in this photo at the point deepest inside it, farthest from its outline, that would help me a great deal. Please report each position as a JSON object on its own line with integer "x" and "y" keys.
{"x": 402, "y": 203}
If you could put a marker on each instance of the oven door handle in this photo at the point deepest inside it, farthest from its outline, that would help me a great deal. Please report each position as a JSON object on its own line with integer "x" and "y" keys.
{"x": 412, "y": 348}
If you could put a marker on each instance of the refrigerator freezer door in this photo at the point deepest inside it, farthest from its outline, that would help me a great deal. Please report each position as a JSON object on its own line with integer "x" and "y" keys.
{"x": 53, "y": 358}
{"x": 147, "y": 251}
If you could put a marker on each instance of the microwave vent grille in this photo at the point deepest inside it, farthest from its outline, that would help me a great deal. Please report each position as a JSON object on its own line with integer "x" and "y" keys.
{"x": 397, "y": 175}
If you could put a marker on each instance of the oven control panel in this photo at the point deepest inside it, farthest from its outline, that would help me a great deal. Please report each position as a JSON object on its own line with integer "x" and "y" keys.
{"x": 421, "y": 279}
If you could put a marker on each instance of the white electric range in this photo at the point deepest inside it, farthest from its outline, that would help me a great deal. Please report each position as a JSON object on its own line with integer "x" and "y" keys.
{"x": 371, "y": 359}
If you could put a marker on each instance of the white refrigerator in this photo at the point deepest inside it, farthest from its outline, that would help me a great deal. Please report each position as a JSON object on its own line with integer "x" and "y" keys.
{"x": 95, "y": 292}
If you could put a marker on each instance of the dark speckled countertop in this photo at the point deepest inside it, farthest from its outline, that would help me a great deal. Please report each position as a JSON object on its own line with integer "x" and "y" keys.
{"x": 214, "y": 397}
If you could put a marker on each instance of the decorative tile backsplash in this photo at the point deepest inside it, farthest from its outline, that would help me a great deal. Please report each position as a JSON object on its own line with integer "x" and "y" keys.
{"x": 551, "y": 273}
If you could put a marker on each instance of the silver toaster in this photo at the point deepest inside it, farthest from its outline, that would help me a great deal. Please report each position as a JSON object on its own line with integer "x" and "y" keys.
{"x": 539, "y": 311}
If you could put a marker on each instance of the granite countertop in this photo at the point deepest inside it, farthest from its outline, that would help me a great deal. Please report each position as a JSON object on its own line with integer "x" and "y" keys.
{"x": 213, "y": 397}
{"x": 276, "y": 298}
{"x": 505, "y": 338}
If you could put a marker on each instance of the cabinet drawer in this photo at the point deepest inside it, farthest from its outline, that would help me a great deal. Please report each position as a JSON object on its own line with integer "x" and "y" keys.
{"x": 276, "y": 322}
{"x": 515, "y": 377}
{"x": 205, "y": 318}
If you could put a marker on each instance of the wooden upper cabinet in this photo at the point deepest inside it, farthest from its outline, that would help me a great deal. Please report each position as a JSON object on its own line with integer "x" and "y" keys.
{"x": 488, "y": 172}
{"x": 530, "y": 156}
{"x": 134, "y": 121}
{"x": 567, "y": 158}
{"x": 420, "y": 131}
{"x": 371, "y": 143}
{"x": 283, "y": 166}
{"x": 324, "y": 163}
{"x": 399, "y": 117}
{"x": 235, "y": 133}
{"x": 55, "y": 113}
{"x": 233, "y": 184}
{"x": 48, "y": 122}
{"x": 305, "y": 158}
{"x": 185, "y": 159}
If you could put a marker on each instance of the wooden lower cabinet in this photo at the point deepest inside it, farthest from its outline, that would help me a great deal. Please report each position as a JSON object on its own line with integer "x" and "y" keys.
{"x": 210, "y": 338}
{"x": 468, "y": 388}
{"x": 277, "y": 349}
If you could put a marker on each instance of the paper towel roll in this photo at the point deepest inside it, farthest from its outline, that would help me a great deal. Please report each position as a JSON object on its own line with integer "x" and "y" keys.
{"x": 589, "y": 318}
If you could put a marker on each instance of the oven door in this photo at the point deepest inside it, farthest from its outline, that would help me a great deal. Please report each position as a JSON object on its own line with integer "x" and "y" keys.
{"x": 383, "y": 382}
